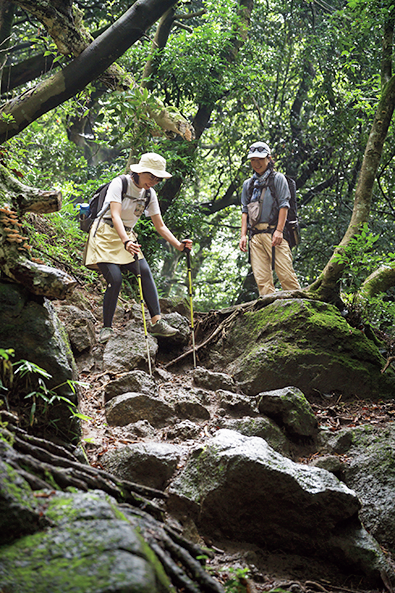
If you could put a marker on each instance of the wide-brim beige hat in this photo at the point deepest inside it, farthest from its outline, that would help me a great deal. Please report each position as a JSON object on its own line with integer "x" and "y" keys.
{"x": 150, "y": 162}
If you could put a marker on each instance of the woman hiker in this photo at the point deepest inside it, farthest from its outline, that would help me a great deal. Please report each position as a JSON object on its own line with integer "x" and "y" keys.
{"x": 113, "y": 245}
{"x": 266, "y": 237}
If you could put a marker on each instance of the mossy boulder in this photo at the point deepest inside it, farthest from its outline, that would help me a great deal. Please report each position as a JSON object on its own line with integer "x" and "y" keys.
{"x": 290, "y": 409}
{"x": 19, "y": 511}
{"x": 303, "y": 343}
{"x": 30, "y": 326}
{"x": 90, "y": 547}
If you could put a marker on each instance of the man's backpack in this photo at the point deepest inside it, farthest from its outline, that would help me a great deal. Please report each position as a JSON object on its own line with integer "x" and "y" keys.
{"x": 291, "y": 228}
{"x": 95, "y": 206}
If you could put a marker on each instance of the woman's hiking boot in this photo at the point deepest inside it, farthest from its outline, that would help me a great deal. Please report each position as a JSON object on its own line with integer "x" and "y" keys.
{"x": 105, "y": 334}
{"x": 161, "y": 329}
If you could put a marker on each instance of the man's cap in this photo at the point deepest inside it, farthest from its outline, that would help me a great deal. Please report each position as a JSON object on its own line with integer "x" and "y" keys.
{"x": 258, "y": 150}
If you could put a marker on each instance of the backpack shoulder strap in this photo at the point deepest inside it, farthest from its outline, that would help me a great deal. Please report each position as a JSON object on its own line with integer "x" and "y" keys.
{"x": 125, "y": 184}
{"x": 270, "y": 182}
{"x": 250, "y": 188}
{"x": 147, "y": 198}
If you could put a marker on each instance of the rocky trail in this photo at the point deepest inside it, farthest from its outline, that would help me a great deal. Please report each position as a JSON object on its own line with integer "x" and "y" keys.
{"x": 265, "y": 469}
{"x": 251, "y": 566}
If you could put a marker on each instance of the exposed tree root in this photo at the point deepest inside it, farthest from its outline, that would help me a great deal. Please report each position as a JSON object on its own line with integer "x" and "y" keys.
{"x": 211, "y": 319}
{"x": 45, "y": 465}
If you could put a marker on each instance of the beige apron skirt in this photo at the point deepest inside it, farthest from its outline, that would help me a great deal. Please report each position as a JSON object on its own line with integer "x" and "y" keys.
{"x": 105, "y": 246}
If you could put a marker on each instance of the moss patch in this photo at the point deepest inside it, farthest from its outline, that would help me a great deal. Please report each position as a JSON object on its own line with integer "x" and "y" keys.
{"x": 92, "y": 548}
{"x": 302, "y": 343}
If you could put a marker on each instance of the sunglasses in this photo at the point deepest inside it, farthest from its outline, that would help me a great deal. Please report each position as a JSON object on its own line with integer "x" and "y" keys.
{"x": 258, "y": 149}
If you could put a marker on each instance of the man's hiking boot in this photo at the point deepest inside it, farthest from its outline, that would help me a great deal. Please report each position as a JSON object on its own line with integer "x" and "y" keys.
{"x": 105, "y": 334}
{"x": 161, "y": 329}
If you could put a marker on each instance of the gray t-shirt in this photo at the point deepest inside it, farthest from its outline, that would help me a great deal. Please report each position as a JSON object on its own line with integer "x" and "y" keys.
{"x": 283, "y": 196}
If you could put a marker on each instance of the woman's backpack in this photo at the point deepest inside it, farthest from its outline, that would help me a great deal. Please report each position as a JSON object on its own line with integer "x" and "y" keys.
{"x": 94, "y": 210}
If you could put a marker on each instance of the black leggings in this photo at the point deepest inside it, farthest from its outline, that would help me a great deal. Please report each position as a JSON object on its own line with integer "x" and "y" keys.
{"x": 113, "y": 275}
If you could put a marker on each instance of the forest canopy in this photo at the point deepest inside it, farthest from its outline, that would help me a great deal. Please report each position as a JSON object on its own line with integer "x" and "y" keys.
{"x": 198, "y": 82}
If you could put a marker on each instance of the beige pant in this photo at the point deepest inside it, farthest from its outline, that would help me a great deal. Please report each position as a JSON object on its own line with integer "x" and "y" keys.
{"x": 261, "y": 262}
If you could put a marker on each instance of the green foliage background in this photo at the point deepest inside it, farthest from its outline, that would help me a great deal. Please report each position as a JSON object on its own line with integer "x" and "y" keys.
{"x": 306, "y": 80}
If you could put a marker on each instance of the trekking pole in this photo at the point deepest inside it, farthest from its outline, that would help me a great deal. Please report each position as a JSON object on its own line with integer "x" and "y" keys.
{"x": 188, "y": 252}
{"x": 136, "y": 259}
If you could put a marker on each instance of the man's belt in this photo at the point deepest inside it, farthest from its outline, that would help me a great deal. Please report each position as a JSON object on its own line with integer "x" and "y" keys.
{"x": 262, "y": 227}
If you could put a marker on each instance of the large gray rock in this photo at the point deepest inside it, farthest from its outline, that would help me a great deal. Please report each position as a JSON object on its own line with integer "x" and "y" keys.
{"x": 188, "y": 402}
{"x": 90, "y": 547}
{"x": 30, "y": 326}
{"x": 213, "y": 380}
{"x": 183, "y": 431}
{"x": 127, "y": 350}
{"x": 79, "y": 325}
{"x": 370, "y": 471}
{"x": 136, "y": 381}
{"x": 183, "y": 335}
{"x": 131, "y": 407}
{"x": 151, "y": 464}
{"x": 288, "y": 407}
{"x": 259, "y": 427}
{"x": 237, "y": 404}
{"x": 176, "y": 304}
{"x": 239, "y": 487}
{"x": 303, "y": 343}
{"x": 190, "y": 408}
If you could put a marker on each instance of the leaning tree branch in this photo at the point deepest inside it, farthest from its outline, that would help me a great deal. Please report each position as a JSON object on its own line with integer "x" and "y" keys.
{"x": 92, "y": 61}
{"x": 378, "y": 282}
{"x": 18, "y": 74}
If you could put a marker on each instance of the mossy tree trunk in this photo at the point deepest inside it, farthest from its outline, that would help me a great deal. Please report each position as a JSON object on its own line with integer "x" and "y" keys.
{"x": 326, "y": 287}
{"x": 380, "y": 281}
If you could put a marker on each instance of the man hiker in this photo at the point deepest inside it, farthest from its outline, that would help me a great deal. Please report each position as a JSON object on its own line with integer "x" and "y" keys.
{"x": 266, "y": 230}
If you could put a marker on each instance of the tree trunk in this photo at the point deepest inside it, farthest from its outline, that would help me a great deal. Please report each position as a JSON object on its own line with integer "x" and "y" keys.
{"x": 6, "y": 20}
{"x": 87, "y": 67}
{"x": 161, "y": 36}
{"x": 380, "y": 281}
{"x": 202, "y": 117}
{"x": 326, "y": 287}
